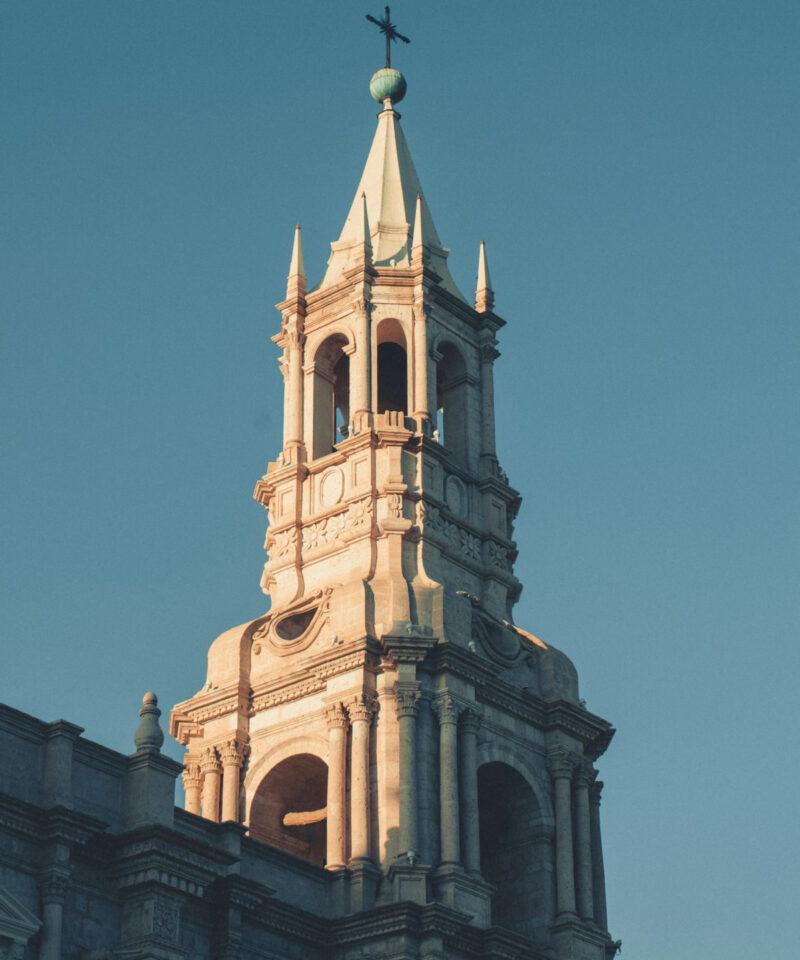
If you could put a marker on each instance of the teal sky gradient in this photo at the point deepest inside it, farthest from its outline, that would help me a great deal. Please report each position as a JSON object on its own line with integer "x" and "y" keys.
{"x": 634, "y": 169}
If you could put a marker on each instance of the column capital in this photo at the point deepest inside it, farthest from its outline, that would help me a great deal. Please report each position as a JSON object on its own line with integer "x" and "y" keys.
{"x": 192, "y": 776}
{"x": 54, "y": 883}
{"x": 362, "y": 707}
{"x": 584, "y": 773}
{"x": 406, "y": 697}
{"x": 336, "y": 715}
{"x": 446, "y": 708}
{"x": 232, "y": 753}
{"x": 561, "y": 763}
{"x": 209, "y": 762}
{"x": 594, "y": 792}
{"x": 470, "y": 721}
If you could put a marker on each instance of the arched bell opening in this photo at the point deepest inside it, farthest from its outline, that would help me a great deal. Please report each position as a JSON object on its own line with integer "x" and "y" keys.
{"x": 451, "y": 400}
{"x": 289, "y": 808}
{"x": 331, "y": 395}
{"x": 514, "y": 850}
{"x": 392, "y": 367}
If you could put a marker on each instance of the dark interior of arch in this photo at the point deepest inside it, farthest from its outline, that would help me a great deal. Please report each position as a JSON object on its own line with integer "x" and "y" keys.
{"x": 392, "y": 378}
{"x": 513, "y": 857}
{"x": 298, "y": 784}
{"x": 451, "y": 400}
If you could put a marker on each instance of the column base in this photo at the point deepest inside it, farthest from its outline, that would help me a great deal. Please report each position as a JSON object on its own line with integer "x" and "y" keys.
{"x": 364, "y": 880}
{"x": 465, "y": 892}
{"x": 409, "y": 882}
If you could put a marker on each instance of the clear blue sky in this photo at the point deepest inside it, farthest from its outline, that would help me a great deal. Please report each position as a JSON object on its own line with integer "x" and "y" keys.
{"x": 633, "y": 168}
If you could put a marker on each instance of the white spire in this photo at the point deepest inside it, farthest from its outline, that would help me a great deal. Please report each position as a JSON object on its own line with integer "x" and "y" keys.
{"x": 297, "y": 271}
{"x": 484, "y": 296}
{"x": 416, "y": 243}
{"x": 392, "y": 190}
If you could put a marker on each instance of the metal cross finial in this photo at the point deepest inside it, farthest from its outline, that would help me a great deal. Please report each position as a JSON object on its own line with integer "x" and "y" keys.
{"x": 388, "y": 30}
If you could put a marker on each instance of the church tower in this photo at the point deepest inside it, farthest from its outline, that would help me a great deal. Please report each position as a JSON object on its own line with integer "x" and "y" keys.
{"x": 386, "y": 720}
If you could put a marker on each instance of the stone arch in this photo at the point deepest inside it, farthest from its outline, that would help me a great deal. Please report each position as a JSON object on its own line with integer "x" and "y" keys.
{"x": 452, "y": 398}
{"x": 330, "y": 392}
{"x": 498, "y": 751}
{"x": 391, "y": 366}
{"x": 516, "y": 851}
{"x": 287, "y": 797}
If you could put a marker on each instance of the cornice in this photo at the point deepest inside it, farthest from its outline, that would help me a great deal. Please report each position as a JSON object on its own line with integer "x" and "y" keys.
{"x": 49, "y": 823}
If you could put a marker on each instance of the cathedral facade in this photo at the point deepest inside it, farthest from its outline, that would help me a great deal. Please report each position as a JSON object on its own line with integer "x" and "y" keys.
{"x": 384, "y": 764}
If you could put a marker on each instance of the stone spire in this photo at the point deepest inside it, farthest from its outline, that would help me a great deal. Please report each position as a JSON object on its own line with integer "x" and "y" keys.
{"x": 484, "y": 295}
{"x": 417, "y": 241}
{"x": 393, "y": 191}
{"x": 296, "y": 282}
{"x": 149, "y": 735}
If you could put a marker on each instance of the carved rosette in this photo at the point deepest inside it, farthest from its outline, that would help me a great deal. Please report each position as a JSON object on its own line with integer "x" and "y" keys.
{"x": 561, "y": 763}
{"x": 336, "y": 715}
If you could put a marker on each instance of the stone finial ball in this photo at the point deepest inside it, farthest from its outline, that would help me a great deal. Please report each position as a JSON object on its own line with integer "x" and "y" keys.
{"x": 149, "y": 698}
{"x": 388, "y": 84}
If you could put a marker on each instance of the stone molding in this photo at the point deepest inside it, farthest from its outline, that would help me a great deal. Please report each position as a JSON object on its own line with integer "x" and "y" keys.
{"x": 584, "y": 774}
{"x": 54, "y": 883}
{"x": 232, "y": 752}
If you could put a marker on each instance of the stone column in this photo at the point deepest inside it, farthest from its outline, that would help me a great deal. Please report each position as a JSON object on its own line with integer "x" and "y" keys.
{"x": 584, "y": 775}
{"x": 598, "y": 871}
{"x": 560, "y": 764}
{"x": 488, "y": 452}
{"x": 293, "y": 395}
{"x": 470, "y": 829}
{"x": 420, "y": 411}
{"x": 192, "y": 785}
{"x": 336, "y": 832}
{"x": 361, "y": 709}
{"x": 407, "y": 695}
{"x": 232, "y": 756}
{"x": 360, "y": 370}
{"x": 212, "y": 772}
{"x": 53, "y": 886}
{"x": 447, "y": 710}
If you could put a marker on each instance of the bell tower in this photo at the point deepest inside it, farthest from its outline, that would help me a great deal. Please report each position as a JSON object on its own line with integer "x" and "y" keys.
{"x": 386, "y": 720}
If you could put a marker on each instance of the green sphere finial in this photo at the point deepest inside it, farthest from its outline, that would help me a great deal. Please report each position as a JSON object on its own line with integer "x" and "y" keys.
{"x": 388, "y": 84}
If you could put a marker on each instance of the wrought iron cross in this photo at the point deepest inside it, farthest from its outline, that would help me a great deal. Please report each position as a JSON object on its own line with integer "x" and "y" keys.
{"x": 388, "y": 30}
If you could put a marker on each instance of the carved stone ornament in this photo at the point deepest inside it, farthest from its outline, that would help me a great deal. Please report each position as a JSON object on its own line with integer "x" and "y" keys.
{"x": 359, "y": 514}
{"x": 165, "y": 921}
{"x": 362, "y": 707}
{"x": 407, "y": 698}
{"x": 281, "y": 545}
{"x": 232, "y": 753}
{"x": 53, "y": 885}
{"x": 561, "y": 763}
{"x": 470, "y": 721}
{"x": 296, "y": 627}
{"x": 192, "y": 776}
{"x": 584, "y": 774}
{"x": 446, "y": 708}
{"x": 210, "y": 761}
{"x": 336, "y": 715}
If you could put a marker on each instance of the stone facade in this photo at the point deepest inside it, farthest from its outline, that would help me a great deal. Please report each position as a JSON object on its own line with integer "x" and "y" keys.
{"x": 384, "y": 764}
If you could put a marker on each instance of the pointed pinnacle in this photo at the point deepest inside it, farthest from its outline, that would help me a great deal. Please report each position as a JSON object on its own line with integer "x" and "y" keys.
{"x": 296, "y": 266}
{"x": 484, "y": 296}
{"x": 416, "y": 240}
{"x": 365, "y": 237}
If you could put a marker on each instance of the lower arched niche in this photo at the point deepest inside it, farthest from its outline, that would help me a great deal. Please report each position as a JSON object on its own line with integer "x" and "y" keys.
{"x": 516, "y": 851}
{"x": 288, "y": 809}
